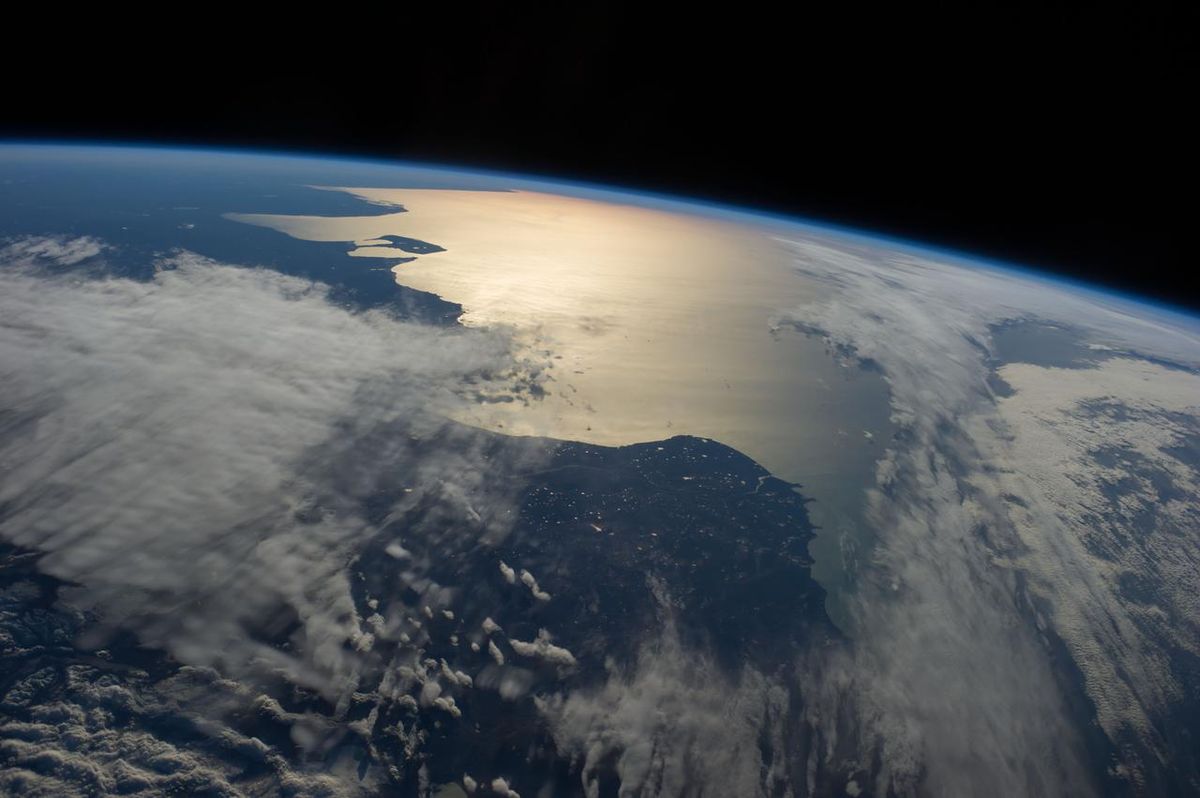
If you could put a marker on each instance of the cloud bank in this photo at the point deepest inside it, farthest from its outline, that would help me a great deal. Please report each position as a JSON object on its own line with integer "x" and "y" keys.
{"x": 676, "y": 725}
{"x": 952, "y": 661}
{"x": 184, "y": 449}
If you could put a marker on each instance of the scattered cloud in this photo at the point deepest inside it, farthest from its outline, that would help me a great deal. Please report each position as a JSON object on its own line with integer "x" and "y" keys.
{"x": 56, "y": 250}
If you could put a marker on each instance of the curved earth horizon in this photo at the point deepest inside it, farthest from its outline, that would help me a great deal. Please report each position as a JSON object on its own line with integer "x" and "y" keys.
{"x": 337, "y": 477}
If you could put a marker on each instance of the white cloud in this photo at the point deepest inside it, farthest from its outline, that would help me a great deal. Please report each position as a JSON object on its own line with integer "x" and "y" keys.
{"x": 500, "y": 787}
{"x": 430, "y": 692}
{"x": 58, "y": 250}
{"x": 528, "y": 580}
{"x": 510, "y": 575}
{"x": 454, "y": 676}
{"x": 446, "y": 704}
{"x": 398, "y": 552}
{"x": 543, "y": 649}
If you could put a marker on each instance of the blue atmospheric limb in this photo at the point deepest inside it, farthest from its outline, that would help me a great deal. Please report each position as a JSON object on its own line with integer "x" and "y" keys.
{"x": 370, "y": 168}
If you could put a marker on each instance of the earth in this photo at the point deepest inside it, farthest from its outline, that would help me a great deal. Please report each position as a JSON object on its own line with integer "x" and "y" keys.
{"x": 336, "y": 478}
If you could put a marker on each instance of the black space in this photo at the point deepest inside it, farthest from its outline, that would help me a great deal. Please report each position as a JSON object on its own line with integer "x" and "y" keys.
{"x": 1056, "y": 136}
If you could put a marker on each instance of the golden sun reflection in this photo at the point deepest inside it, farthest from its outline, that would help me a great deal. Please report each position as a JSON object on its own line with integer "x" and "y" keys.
{"x": 660, "y": 321}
